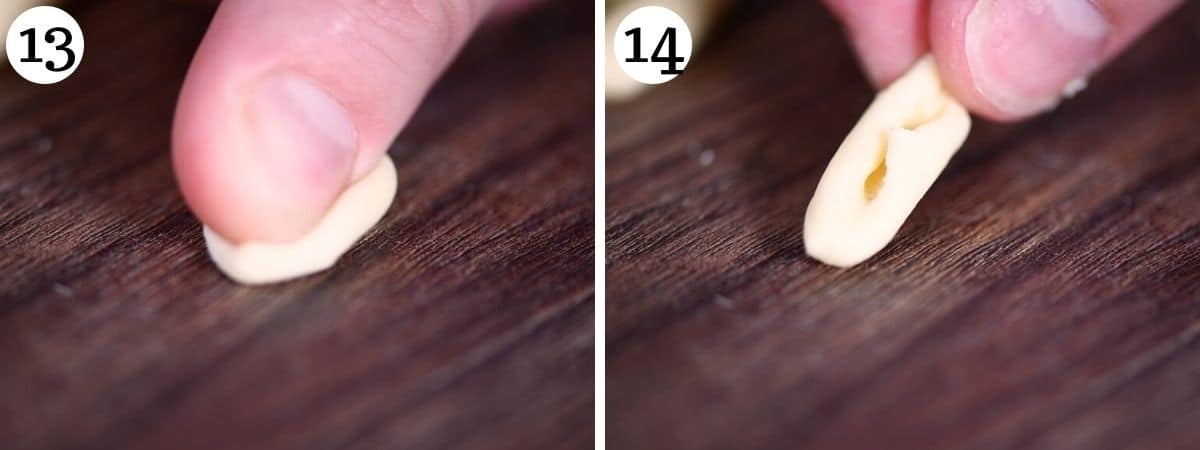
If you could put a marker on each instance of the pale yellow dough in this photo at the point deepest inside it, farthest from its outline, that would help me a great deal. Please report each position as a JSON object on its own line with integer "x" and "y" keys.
{"x": 883, "y": 168}
{"x": 353, "y": 214}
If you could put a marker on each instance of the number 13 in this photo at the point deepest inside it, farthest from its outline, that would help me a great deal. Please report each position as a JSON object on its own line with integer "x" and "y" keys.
{"x": 50, "y": 40}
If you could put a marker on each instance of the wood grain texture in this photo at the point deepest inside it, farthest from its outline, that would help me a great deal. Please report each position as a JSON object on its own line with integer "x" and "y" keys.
{"x": 462, "y": 321}
{"x": 1044, "y": 295}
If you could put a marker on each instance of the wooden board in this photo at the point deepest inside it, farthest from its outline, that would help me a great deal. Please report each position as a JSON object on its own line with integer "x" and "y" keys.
{"x": 462, "y": 321}
{"x": 1045, "y": 294}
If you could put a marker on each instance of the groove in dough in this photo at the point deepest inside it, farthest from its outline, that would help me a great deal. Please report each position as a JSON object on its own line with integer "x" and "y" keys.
{"x": 884, "y": 166}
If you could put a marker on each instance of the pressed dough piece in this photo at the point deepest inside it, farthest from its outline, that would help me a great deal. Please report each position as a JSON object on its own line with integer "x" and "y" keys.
{"x": 353, "y": 213}
{"x": 883, "y": 168}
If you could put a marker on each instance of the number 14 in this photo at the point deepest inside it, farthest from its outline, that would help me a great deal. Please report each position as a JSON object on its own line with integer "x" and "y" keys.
{"x": 671, "y": 59}
{"x": 32, "y": 56}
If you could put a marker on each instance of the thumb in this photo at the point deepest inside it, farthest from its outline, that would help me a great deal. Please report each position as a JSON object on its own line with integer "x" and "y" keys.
{"x": 1011, "y": 59}
{"x": 287, "y": 102}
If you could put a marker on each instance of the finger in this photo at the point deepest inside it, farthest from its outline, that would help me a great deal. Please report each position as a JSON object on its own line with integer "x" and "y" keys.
{"x": 288, "y": 102}
{"x": 1011, "y": 59}
{"x": 887, "y": 35}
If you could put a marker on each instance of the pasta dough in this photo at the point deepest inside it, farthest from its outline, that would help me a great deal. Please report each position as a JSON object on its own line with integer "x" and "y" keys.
{"x": 884, "y": 166}
{"x": 353, "y": 213}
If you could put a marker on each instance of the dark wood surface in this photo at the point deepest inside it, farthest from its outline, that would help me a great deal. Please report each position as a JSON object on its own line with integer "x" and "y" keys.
{"x": 464, "y": 320}
{"x": 1044, "y": 295}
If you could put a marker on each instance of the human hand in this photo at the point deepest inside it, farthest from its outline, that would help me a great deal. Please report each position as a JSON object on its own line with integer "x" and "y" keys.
{"x": 286, "y": 103}
{"x": 1004, "y": 60}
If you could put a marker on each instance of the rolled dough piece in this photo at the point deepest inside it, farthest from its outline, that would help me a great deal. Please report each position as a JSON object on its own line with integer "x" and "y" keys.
{"x": 353, "y": 213}
{"x": 886, "y": 164}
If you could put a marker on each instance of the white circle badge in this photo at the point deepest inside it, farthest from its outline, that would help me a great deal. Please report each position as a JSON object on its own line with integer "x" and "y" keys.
{"x": 652, "y": 45}
{"x": 44, "y": 45}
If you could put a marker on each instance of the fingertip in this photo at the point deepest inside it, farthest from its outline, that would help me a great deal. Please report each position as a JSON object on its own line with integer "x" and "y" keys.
{"x": 286, "y": 103}
{"x": 888, "y": 36}
{"x": 258, "y": 154}
{"x": 231, "y": 185}
{"x": 1011, "y": 60}
{"x": 947, "y": 25}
